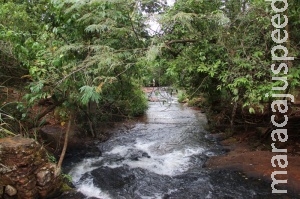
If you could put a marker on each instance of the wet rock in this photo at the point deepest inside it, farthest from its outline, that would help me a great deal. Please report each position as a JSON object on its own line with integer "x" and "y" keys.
{"x": 71, "y": 195}
{"x": 135, "y": 155}
{"x": 26, "y": 171}
{"x": 10, "y": 190}
{"x": 112, "y": 178}
{"x": 92, "y": 152}
{"x": 144, "y": 154}
{"x": 216, "y": 137}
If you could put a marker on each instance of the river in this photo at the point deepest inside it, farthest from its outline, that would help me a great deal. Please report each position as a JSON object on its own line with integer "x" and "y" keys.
{"x": 162, "y": 156}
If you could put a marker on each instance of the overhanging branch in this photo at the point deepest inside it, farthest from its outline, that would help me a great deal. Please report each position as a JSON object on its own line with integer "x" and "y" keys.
{"x": 181, "y": 41}
{"x": 169, "y": 43}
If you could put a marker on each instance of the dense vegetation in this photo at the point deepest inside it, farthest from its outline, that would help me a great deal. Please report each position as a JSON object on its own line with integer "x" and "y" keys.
{"x": 221, "y": 51}
{"x": 91, "y": 58}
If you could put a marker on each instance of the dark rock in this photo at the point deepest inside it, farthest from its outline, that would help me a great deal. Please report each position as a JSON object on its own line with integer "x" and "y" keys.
{"x": 92, "y": 152}
{"x": 135, "y": 155}
{"x": 111, "y": 178}
{"x": 78, "y": 146}
{"x": 2, "y": 189}
{"x": 71, "y": 195}
{"x": 144, "y": 154}
{"x": 53, "y": 136}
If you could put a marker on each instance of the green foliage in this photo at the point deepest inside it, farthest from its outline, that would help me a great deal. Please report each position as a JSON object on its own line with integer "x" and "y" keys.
{"x": 182, "y": 96}
{"x": 51, "y": 158}
{"x": 20, "y": 26}
{"x": 4, "y": 126}
{"x": 222, "y": 49}
{"x": 89, "y": 94}
{"x": 196, "y": 102}
{"x": 77, "y": 53}
{"x": 83, "y": 52}
{"x": 10, "y": 124}
{"x": 68, "y": 178}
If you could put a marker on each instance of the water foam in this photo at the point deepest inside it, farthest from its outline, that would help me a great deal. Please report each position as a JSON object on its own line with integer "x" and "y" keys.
{"x": 87, "y": 187}
{"x": 83, "y": 167}
{"x": 167, "y": 163}
{"x": 120, "y": 150}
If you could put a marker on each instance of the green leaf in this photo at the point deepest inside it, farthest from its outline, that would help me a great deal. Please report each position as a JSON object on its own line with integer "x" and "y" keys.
{"x": 89, "y": 93}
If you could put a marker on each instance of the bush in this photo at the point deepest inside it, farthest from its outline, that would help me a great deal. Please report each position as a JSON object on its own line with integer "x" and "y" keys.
{"x": 182, "y": 97}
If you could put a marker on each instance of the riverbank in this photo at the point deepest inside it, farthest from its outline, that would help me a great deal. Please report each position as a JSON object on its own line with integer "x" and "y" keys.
{"x": 250, "y": 155}
{"x": 134, "y": 148}
{"x": 256, "y": 161}
{"x": 160, "y": 156}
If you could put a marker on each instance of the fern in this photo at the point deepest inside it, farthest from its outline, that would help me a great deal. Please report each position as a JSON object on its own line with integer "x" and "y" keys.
{"x": 89, "y": 93}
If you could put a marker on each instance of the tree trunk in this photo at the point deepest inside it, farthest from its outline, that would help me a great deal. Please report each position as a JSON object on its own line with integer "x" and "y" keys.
{"x": 90, "y": 120}
{"x": 288, "y": 42}
{"x": 233, "y": 116}
{"x": 244, "y": 5}
{"x": 64, "y": 150}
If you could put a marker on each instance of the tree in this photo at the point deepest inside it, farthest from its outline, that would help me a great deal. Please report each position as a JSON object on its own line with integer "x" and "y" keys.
{"x": 81, "y": 56}
{"x": 222, "y": 49}
{"x": 83, "y": 60}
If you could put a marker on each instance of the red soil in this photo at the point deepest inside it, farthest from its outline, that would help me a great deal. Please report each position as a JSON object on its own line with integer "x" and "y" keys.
{"x": 257, "y": 162}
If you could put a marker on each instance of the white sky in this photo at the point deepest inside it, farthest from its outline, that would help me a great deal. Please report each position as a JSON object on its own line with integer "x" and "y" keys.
{"x": 154, "y": 26}
{"x": 170, "y": 2}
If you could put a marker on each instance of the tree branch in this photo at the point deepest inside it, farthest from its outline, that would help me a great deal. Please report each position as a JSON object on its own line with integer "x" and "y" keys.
{"x": 168, "y": 43}
{"x": 181, "y": 41}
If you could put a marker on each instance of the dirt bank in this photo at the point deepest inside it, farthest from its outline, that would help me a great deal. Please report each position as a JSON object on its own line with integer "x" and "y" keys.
{"x": 256, "y": 161}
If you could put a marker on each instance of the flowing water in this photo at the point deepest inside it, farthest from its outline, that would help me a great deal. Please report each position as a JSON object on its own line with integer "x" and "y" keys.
{"x": 162, "y": 157}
